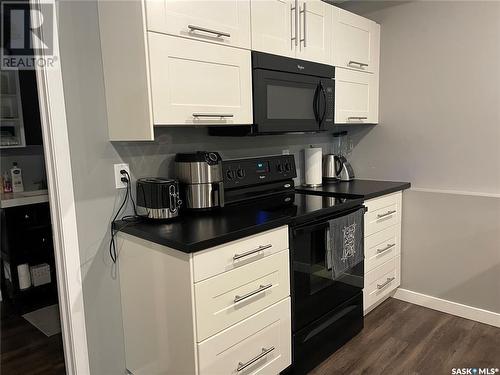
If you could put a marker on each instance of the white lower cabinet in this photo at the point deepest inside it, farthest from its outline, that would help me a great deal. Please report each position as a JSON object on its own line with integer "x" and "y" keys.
{"x": 236, "y": 321}
{"x": 258, "y": 345}
{"x": 356, "y": 97}
{"x": 382, "y": 249}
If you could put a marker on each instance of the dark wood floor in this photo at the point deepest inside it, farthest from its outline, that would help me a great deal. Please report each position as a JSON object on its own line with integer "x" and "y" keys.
{"x": 25, "y": 350}
{"x": 402, "y": 338}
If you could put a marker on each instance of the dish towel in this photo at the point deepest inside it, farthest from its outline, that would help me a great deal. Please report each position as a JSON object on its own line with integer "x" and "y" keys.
{"x": 345, "y": 242}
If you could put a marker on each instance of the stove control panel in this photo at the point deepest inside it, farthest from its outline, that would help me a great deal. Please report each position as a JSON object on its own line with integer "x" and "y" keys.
{"x": 255, "y": 171}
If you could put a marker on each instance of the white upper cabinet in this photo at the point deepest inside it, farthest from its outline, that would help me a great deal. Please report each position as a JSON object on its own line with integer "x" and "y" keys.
{"x": 273, "y": 27}
{"x": 315, "y": 31}
{"x": 196, "y": 83}
{"x": 356, "y": 97}
{"x": 220, "y": 21}
{"x": 356, "y": 42}
{"x": 292, "y": 28}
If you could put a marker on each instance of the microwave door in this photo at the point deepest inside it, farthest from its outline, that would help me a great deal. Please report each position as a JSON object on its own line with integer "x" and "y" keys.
{"x": 286, "y": 102}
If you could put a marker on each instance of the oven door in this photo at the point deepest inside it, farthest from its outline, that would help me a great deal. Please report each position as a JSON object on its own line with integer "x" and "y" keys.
{"x": 289, "y": 102}
{"x": 314, "y": 291}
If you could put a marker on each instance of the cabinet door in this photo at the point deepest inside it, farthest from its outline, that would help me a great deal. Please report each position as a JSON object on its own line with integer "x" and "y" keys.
{"x": 356, "y": 42}
{"x": 217, "y": 21}
{"x": 356, "y": 97}
{"x": 196, "y": 83}
{"x": 315, "y": 31}
{"x": 274, "y": 26}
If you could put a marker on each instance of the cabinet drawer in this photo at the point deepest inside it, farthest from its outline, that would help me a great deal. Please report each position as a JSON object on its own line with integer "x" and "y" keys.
{"x": 198, "y": 83}
{"x": 382, "y": 213}
{"x": 223, "y": 22}
{"x": 226, "y": 299}
{"x": 247, "y": 343}
{"x": 381, "y": 281}
{"x": 382, "y": 246}
{"x": 235, "y": 254}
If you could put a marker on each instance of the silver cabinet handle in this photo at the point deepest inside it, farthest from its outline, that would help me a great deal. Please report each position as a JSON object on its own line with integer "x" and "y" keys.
{"x": 380, "y": 216}
{"x": 220, "y": 115}
{"x": 293, "y": 18}
{"x": 247, "y": 253}
{"x": 210, "y": 31}
{"x": 252, "y": 293}
{"x": 357, "y": 118}
{"x": 242, "y": 366}
{"x": 359, "y": 64}
{"x": 389, "y": 246}
{"x": 389, "y": 280}
{"x": 303, "y": 11}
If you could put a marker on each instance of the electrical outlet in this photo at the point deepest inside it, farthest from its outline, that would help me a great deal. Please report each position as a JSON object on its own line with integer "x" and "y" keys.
{"x": 118, "y": 176}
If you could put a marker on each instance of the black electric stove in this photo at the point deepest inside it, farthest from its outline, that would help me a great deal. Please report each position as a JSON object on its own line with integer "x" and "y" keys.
{"x": 327, "y": 311}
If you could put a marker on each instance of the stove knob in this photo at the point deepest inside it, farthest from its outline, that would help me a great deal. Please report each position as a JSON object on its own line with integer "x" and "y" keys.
{"x": 280, "y": 168}
{"x": 229, "y": 174}
{"x": 240, "y": 173}
{"x": 288, "y": 167}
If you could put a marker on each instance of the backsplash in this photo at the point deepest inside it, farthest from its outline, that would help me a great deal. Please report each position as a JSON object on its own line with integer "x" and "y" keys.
{"x": 156, "y": 158}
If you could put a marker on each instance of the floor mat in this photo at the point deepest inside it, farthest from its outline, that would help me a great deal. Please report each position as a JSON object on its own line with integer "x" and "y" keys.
{"x": 45, "y": 319}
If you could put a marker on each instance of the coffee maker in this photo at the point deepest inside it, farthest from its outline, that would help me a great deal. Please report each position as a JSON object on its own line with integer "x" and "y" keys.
{"x": 335, "y": 166}
{"x": 200, "y": 174}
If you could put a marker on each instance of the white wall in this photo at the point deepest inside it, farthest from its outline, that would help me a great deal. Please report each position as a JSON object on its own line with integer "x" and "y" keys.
{"x": 440, "y": 129}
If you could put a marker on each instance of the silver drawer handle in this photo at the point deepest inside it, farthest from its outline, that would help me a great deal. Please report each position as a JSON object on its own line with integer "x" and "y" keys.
{"x": 359, "y": 64}
{"x": 292, "y": 9}
{"x": 242, "y": 366}
{"x": 389, "y": 280}
{"x": 220, "y": 115}
{"x": 250, "y": 294}
{"x": 380, "y": 216}
{"x": 245, "y": 254}
{"x": 210, "y": 31}
{"x": 389, "y": 246}
{"x": 304, "y": 12}
{"x": 357, "y": 118}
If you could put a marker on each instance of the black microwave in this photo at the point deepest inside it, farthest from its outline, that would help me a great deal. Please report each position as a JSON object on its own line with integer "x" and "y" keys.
{"x": 289, "y": 96}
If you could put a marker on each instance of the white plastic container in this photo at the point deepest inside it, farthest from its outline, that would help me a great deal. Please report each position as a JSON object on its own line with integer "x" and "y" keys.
{"x": 17, "y": 179}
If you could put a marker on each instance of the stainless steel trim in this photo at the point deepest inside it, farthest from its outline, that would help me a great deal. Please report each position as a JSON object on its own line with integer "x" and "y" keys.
{"x": 380, "y": 216}
{"x": 360, "y": 65}
{"x": 198, "y": 172}
{"x": 252, "y": 293}
{"x": 160, "y": 213}
{"x": 221, "y": 194}
{"x": 292, "y": 9}
{"x": 199, "y": 28}
{"x": 312, "y": 185}
{"x": 389, "y": 246}
{"x": 303, "y": 11}
{"x": 247, "y": 253}
{"x": 389, "y": 280}
{"x": 242, "y": 366}
{"x": 221, "y": 115}
{"x": 202, "y": 195}
{"x": 357, "y": 118}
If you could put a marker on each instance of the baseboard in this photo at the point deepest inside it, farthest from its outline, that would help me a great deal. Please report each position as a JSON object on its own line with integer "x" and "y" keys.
{"x": 464, "y": 311}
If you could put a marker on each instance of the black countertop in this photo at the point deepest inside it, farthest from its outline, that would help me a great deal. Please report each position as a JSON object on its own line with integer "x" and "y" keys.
{"x": 366, "y": 189}
{"x": 193, "y": 232}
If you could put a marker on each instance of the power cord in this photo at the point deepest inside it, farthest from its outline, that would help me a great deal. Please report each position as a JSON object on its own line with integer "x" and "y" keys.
{"x": 128, "y": 218}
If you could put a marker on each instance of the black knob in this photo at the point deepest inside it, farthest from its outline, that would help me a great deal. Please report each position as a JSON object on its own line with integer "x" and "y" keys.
{"x": 288, "y": 167}
{"x": 240, "y": 173}
{"x": 280, "y": 168}
{"x": 230, "y": 174}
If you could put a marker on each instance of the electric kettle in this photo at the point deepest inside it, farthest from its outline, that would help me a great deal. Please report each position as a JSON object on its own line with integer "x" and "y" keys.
{"x": 337, "y": 168}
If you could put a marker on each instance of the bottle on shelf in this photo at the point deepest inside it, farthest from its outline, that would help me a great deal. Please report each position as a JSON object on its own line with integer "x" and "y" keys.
{"x": 7, "y": 183}
{"x": 17, "y": 178}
